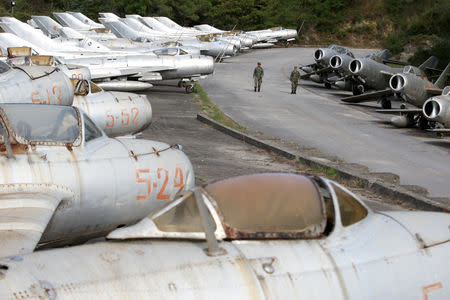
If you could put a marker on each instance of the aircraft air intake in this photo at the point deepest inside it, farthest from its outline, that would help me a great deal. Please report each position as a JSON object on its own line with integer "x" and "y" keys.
{"x": 318, "y": 54}
{"x": 355, "y": 66}
{"x": 397, "y": 82}
{"x": 336, "y": 62}
{"x": 431, "y": 109}
{"x": 438, "y": 109}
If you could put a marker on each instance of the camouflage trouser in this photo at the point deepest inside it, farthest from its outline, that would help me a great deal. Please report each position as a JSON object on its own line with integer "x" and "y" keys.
{"x": 294, "y": 85}
{"x": 258, "y": 82}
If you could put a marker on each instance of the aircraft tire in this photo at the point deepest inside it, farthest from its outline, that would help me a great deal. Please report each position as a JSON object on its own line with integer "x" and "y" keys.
{"x": 189, "y": 88}
{"x": 327, "y": 85}
{"x": 423, "y": 123}
{"x": 386, "y": 104}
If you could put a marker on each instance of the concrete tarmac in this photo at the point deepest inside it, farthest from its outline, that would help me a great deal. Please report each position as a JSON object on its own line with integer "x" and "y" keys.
{"x": 315, "y": 117}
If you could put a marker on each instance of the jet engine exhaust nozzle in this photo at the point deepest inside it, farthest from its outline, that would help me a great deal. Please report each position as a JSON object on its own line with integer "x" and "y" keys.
{"x": 355, "y": 66}
{"x": 397, "y": 82}
{"x": 336, "y": 62}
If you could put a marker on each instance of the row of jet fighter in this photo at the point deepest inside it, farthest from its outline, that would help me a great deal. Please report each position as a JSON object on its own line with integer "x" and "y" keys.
{"x": 128, "y": 54}
{"x": 372, "y": 78}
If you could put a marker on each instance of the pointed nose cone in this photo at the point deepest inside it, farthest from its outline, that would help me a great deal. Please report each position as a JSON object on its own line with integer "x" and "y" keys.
{"x": 336, "y": 62}
{"x": 397, "y": 82}
{"x": 207, "y": 63}
{"x": 356, "y": 66}
{"x": 292, "y": 33}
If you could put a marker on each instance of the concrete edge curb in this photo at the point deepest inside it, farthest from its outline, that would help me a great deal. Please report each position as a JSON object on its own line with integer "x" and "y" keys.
{"x": 377, "y": 186}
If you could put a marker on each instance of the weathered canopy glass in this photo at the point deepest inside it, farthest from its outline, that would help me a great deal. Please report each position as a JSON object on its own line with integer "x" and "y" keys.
{"x": 269, "y": 203}
{"x": 351, "y": 210}
{"x": 43, "y": 123}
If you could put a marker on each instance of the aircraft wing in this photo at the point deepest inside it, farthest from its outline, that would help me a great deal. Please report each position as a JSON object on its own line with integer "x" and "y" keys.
{"x": 367, "y": 97}
{"x": 440, "y": 130}
{"x": 433, "y": 91}
{"x": 320, "y": 71}
{"x": 25, "y": 211}
{"x": 401, "y": 111}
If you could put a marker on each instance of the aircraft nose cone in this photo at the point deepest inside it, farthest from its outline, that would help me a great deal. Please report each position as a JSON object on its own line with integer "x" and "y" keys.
{"x": 397, "y": 82}
{"x": 207, "y": 65}
{"x": 356, "y": 66}
{"x": 336, "y": 62}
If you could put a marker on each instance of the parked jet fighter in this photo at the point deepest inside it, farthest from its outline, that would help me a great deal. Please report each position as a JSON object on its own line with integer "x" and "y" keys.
{"x": 63, "y": 180}
{"x": 316, "y": 241}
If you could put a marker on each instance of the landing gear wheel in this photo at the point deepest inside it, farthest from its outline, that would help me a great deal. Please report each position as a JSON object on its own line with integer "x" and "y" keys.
{"x": 286, "y": 44}
{"x": 189, "y": 88}
{"x": 423, "y": 123}
{"x": 386, "y": 104}
{"x": 357, "y": 89}
{"x": 403, "y": 106}
{"x": 328, "y": 85}
{"x": 180, "y": 83}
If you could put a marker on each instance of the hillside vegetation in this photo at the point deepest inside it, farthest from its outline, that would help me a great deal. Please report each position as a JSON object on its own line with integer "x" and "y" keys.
{"x": 415, "y": 28}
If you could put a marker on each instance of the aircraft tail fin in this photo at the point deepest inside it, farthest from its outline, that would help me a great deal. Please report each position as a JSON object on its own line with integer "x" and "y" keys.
{"x": 431, "y": 62}
{"x": 120, "y": 29}
{"x": 384, "y": 54}
{"x": 49, "y": 26}
{"x": 68, "y": 20}
{"x": 442, "y": 80}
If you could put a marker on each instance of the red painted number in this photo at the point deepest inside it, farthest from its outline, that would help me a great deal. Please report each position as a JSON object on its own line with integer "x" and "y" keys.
{"x": 178, "y": 175}
{"x": 125, "y": 114}
{"x": 161, "y": 195}
{"x": 139, "y": 179}
{"x": 134, "y": 114}
{"x": 109, "y": 115}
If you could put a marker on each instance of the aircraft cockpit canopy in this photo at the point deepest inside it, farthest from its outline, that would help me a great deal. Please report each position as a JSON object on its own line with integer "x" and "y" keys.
{"x": 171, "y": 44}
{"x": 205, "y": 38}
{"x": 41, "y": 124}
{"x": 341, "y": 50}
{"x": 84, "y": 87}
{"x": 412, "y": 70}
{"x": 269, "y": 204}
{"x": 258, "y": 206}
{"x": 169, "y": 51}
{"x": 276, "y": 28}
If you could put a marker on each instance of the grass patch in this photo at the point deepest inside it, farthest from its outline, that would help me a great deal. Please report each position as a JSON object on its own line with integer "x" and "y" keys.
{"x": 212, "y": 111}
{"x": 329, "y": 173}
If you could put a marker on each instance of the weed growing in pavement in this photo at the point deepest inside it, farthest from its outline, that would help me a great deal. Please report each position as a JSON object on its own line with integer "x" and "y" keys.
{"x": 212, "y": 111}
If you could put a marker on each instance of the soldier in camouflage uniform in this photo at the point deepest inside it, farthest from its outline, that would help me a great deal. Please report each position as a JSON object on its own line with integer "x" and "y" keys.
{"x": 258, "y": 74}
{"x": 295, "y": 76}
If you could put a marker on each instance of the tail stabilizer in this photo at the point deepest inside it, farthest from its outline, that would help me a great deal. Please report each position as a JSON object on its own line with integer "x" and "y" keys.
{"x": 442, "y": 80}
{"x": 430, "y": 63}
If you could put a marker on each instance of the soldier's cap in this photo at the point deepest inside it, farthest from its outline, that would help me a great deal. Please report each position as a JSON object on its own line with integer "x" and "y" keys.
{"x": 259, "y": 63}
